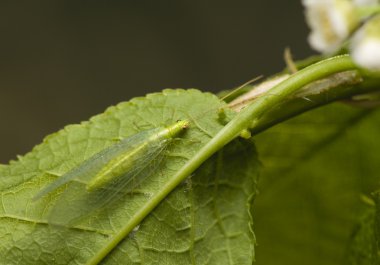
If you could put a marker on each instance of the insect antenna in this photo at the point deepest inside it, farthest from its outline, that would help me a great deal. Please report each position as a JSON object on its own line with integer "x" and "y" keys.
{"x": 234, "y": 91}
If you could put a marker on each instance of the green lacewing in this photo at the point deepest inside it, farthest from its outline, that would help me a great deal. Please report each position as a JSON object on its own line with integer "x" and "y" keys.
{"x": 109, "y": 174}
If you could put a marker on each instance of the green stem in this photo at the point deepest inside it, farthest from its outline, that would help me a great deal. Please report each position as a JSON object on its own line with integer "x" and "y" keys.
{"x": 247, "y": 118}
{"x": 296, "y": 106}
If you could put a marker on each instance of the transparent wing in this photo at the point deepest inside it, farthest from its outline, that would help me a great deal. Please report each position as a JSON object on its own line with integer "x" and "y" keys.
{"x": 94, "y": 164}
{"x": 77, "y": 202}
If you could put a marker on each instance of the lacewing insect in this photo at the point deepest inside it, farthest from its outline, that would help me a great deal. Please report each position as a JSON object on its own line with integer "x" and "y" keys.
{"x": 110, "y": 174}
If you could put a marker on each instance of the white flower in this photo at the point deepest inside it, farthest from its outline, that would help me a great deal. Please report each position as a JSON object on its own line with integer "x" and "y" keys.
{"x": 365, "y": 46}
{"x": 331, "y": 22}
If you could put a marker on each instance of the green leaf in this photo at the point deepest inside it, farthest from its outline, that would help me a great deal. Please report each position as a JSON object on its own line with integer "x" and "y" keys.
{"x": 204, "y": 221}
{"x": 316, "y": 169}
{"x": 363, "y": 248}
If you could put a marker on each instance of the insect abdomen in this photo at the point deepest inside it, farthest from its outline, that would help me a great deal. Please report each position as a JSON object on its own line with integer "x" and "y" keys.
{"x": 120, "y": 165}
{"x": 132, "y": 160}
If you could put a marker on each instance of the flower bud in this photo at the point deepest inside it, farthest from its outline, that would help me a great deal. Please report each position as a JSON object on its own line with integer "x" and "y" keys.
{"x": 365, "y": 46}
{"x": 331, "y": 22}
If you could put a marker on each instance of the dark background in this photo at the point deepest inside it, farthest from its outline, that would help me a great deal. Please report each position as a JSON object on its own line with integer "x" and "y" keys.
{"x": 62, "y": 62}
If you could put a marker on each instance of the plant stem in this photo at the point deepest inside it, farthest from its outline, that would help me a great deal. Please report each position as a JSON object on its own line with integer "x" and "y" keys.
{"x": 247, "y": 118}
{"x": 297, "y": 106}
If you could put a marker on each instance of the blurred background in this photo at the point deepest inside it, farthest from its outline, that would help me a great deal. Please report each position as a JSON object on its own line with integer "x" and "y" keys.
{"x": 65, "y": 61}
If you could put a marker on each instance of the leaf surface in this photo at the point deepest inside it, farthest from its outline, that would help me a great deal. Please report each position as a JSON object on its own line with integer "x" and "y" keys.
{"x": 364, "y": 247}
{"x": 317, "y": 167}
{"x": 206, "y": 220}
